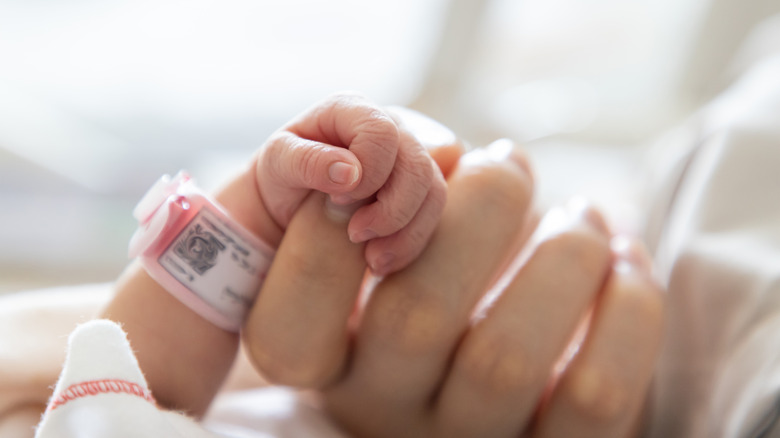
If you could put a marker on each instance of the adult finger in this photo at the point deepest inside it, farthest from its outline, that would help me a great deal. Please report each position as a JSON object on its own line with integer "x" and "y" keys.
{"x": 296, "y": 333}
{"x": 414, "y": 317}
{"x": 601, "y": 393}
{"x": 506, "y": 357}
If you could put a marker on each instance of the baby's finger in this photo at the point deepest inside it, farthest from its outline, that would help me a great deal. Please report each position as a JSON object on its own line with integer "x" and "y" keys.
{"x": 392, "y": 253}
{"x": 441, "y": 143}
{"x": 351, "y": 121}
{"x": 428, "y": 144}
{"x": 602, "y": 391}
{"x": 399, "y": 199}
{"x": 289, "y": 166}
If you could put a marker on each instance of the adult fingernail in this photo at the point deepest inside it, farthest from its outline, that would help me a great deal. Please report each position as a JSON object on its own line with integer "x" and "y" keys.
{"x": 576, "y": 212}
{"x": 552, "y": 223}
{"x": 343, "y": 173}
{"x": 505, "y": 149}
{"x": 580, "y": 207}
{"x": 362, "y": 236}
{"x": 383, "y": 264}
{"x": 340, "y": 212}
{"x": 342, "y": 199}
{"x": 633, "y": 252}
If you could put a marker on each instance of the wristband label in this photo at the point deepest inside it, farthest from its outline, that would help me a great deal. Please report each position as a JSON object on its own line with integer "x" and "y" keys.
{"x": 216, "y": 264}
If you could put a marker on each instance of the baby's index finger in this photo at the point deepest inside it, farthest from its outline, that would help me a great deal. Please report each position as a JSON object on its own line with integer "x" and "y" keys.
{"x": 353, "y": 122}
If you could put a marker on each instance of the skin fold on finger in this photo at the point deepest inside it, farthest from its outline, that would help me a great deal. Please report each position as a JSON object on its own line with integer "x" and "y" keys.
{"x": 443, "y": 145}
{"x": 351, "y": 121}
{"x": 442, "y": 151}
{"x": 392, "y": 253}
{"x": 414, "y": 317}
{"x": 400, "y": 197}
{"x": 289, "y": 167}
{"x": 505, "y": 359}
{"x": 601, "y": 393}
{"x": 297, "y": 333}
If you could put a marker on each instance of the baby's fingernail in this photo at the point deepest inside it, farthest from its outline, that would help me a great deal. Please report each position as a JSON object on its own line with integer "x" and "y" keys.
{"x": 340, "y": 212}
{"x": 362, "y": 236}
{"x": 382, "y": 265}
{"x": 343, "y": 173}
{"x": 577, "y": 211}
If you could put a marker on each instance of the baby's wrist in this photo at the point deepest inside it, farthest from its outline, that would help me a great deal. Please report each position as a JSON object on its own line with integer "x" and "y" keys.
{"x": 241, "y": 197}
{"x": 196, "y": 251}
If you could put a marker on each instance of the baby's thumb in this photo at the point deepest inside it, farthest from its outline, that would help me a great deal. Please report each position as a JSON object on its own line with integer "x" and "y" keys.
{"x": 292, "y": 162}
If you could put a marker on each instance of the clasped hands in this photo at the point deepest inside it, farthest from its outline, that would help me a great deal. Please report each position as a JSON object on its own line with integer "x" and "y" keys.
{"x": 504, "y": 326}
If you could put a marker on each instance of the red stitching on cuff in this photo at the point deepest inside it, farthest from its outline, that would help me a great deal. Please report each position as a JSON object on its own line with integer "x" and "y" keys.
{"x": 95, "y": 387}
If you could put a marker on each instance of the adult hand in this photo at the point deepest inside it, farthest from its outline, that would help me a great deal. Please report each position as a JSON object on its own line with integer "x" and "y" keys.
{"x": 442, "y": 348}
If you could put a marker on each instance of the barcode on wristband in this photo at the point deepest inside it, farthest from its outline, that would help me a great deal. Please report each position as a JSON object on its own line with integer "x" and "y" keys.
{"x": 216, "y": 264}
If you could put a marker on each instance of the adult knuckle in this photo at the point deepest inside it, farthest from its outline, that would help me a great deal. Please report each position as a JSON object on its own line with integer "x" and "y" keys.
{"x": 265, "y": 356}
{"x": 413, "y": 320}
{"x": 582, "y": 249}
{"x": 311, "y": 371}
{"x": 284, "y": 363}
{"x": 597, "y": 397}
{"x": 497, "y": 368}
{"x": 297, "y": 373}
{"x": 311, "y": 269}
{"x": 498, "y": 188}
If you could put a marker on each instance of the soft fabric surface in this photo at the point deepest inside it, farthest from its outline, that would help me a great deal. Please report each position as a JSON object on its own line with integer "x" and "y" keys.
{"x": 102, "y": 393}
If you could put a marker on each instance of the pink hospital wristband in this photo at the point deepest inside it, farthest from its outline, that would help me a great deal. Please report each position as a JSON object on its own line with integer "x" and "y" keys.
{"x": 197, "y": 252}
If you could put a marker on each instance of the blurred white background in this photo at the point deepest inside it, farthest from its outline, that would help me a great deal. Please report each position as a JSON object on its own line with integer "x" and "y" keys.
{"x": 99, "y": 98}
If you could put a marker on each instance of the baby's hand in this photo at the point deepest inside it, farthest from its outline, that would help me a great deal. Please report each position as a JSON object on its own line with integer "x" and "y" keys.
{"x": 357, "y": 153}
